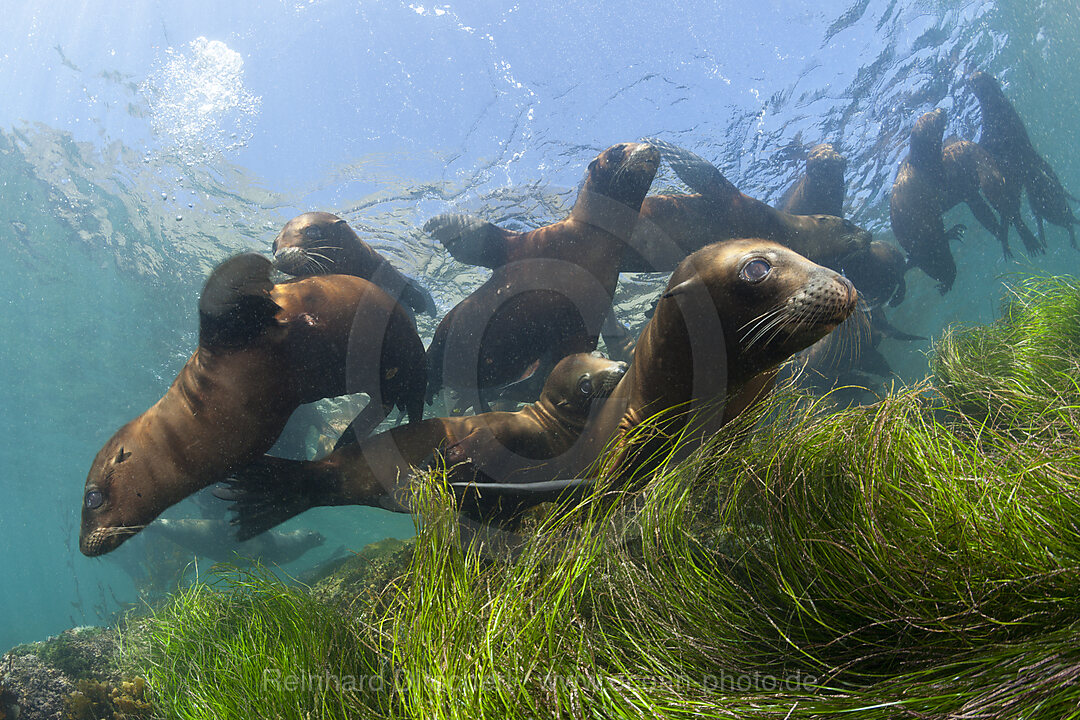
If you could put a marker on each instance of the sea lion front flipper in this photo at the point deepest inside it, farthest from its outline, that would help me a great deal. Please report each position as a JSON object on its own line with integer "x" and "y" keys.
{"x": 418, "y": 298}
{"x": 879, "y": 322}
{"x": 699, "y": 174}
{"x": 362, "y": 425}
{"x": 235, "y": 306}
{"x": 470, "y": 239}
{"x": 956, "y": 232}
{"x": 266, "y": 493}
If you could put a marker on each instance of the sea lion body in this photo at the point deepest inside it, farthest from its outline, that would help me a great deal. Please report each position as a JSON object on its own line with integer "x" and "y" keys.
{"x": 1006, "y": 138}
{"x": 670, "y": 227}
{"x": 916, "y": 203}
{"x": 264, "y": 349}
{"x": 972, "y": 174}
{"x": 494, "y": 447}
{"x": 321, "y": 243}
{"x": 551, "y": 294}
{"x": 213, "y": 539}
{"x": 820, "y": 191}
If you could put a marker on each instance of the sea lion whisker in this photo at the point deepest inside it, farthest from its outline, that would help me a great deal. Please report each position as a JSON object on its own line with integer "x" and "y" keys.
{"x": 762, "y": 319}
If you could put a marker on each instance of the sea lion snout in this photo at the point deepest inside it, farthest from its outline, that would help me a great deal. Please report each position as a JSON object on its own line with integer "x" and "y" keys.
{"x": 293, "y": 261}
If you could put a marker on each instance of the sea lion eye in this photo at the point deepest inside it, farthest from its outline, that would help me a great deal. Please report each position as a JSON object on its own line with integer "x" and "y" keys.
{"x": 313, "y": 232}
{"x": 93, "y": 499}
{"x": 584, "y": 385}
{"x": 756, "y": 270}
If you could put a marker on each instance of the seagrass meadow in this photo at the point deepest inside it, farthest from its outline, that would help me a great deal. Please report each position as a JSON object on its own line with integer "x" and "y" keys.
{"x": 917, "y": 557}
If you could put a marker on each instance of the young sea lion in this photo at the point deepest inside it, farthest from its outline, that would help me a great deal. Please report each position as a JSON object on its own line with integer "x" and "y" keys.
{"x": 263, "y": 350}
{"x": 672, "y": 226}
{"x": 916, "y": 203}
{"x": 320, "y": 243}
{"x": 549, "y": 299}
{"x": 972, "y": 173}
{"x": 1006, "y": 138}
{"x": 820, "y": 191}
{"x": 733, "y": 311}
{"x": 491, "y": 447}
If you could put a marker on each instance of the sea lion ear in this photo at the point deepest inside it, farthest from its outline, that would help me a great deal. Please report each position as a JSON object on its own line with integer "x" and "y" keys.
{"x": 121, "y": 456}
{"x": 684, "y": 287}
{"x": 235, "y": 306}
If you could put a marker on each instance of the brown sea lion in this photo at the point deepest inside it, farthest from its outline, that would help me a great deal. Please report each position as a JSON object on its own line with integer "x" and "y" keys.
{"x": 972, "y": 174}
{"x": 1006, "y": 138}
{"x": 733, "y": 311}
{"x": 916, "y": 203}
{"x": 672, "y": 226}
{"x": 320, "y": 243}
{"x": 548, "y": 299}
{"x": 493, "y": 447}
{"x": 820, "y": 191}
{"x": 263, "y": 350}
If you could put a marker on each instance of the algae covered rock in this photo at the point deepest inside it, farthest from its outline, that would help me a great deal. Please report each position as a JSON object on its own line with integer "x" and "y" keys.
{"x": 75, "y": 674}
{"x": 365, "y": 574}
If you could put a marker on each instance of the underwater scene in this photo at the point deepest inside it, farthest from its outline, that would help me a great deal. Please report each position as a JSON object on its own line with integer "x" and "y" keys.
{"x": 476, "y": 359}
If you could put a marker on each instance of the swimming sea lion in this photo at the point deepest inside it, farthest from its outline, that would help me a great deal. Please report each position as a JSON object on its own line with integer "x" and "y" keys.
{"x": 320, "y": 243}
{"x": 820, "y": 191}
{"x": 1006, "y": 138}
{"x": 493, "y": 447}
{"x": 263, "y": 350}
{"x": 551, "y": 295}
{"x": 672, "y": 226}
{"x": 733, "y": 311}
{"x": 213, "y": 539}
{"x": 916, "y": 203}
{"x": 971, "y": 173}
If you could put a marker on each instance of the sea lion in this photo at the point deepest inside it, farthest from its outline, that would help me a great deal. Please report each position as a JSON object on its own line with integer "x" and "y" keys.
{"x": 549, "y": 298}
{"x": 972, "y": 174}
{"x": 732, "y": 312}
{"x": 213, "y": 539}
{"x": 263, "y": 350}
{"x": 672, "y": 226}
{"x": 493, "y": 447}
{"x": 321, "y": 243}
{"x": 1006, "y": 138}
{"x": 916, "y": 203}
{"x": 820, "y": 191}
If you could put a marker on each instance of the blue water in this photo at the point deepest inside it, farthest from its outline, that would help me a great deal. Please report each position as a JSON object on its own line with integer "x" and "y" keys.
{"x": 141, "y": 143}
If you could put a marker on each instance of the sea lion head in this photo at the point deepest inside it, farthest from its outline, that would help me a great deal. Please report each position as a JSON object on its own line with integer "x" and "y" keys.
{"x": 985, "y": 86}
{"x": 878, "y": 273}
{"x": 824, "y": 165}
{"x": 311, "y": 243}
{"x": 850, "y": 238}
{"x": 926, "y": 137}
{"x": 122, "y": 494}
{"x": 623, "y": 173}
{"x": 577, "y": 381}
{"x": 773, "y": 301}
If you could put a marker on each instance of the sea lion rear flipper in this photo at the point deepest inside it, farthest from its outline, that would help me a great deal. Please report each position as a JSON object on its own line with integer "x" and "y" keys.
{"x": 699, "y": 174}
{"x": 880, "y": 323}
{"x": 470, "y": 239}
{"x": 235, "y": 306}
{"x": 362, "y": 425}
{"x": 266, "y": 493}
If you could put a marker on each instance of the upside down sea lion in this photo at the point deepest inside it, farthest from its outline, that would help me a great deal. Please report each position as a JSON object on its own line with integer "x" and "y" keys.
{"x": 916, "y": 204}
{"x": 320, "y": 243}
{"x": 263, "y": 350}
{"x": 672, "y": 226}
{"x": 1006, "y": 138}
{"x": 549, "y": 299}
{"x": 213, "y": 539}
{"x": 733, "y": 311}
{"x": 493, "y": 447}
